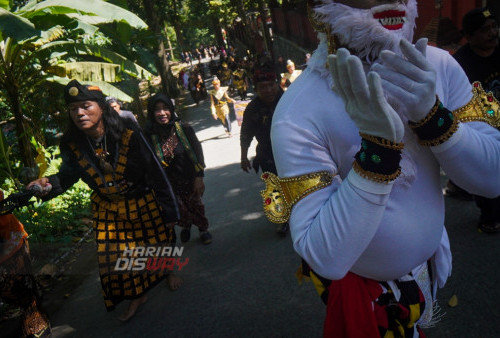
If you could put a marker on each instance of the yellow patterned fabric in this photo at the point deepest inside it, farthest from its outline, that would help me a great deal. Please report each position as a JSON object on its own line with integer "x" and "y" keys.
{"x": 282, "y": 193}
{"x": 222, "y": 110}
{"x": 127, "y": 224}
{"x": 123, "y": 223}
{"x": 482, "y": 107}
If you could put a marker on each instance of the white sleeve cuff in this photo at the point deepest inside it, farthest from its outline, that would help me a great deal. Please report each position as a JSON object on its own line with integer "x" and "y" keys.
{"x": 368, "y": 185}
{"x": 450, "y": 142}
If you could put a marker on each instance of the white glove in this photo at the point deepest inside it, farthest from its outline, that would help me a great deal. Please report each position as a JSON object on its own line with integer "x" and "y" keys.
{"x": 364, "y": 98}
{"x": 409, "y": 79}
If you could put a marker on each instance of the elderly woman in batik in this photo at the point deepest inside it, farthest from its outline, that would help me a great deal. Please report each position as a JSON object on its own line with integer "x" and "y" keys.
{"x": 181, "y": 155}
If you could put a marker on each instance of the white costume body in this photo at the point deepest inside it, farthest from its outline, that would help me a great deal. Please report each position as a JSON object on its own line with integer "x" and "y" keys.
{"x": 376, "y": 230}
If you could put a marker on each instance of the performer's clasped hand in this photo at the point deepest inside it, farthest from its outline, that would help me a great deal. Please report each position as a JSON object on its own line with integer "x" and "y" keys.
{"x": 364, "y": 97}
{"x": 409, "y": 79}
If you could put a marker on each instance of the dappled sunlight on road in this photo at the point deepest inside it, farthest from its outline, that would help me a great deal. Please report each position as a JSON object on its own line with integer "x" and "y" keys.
{"x": 232, "y": 192}
{"x": 252, "y": 216}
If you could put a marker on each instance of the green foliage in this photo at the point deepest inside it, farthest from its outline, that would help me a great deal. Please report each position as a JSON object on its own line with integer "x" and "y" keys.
{"x": 6, "y": 162}
{"x": 48, "y": 159}
{"x": 98, "y": 39}
{"x": 40, "y": 35}
{"x": 197, "y": 36}
{"x": 60, "y": 219}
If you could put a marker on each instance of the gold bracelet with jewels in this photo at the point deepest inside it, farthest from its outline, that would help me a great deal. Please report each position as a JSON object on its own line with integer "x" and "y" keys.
{"x": 437, "y": 127}
{"x": 378, "y": 159}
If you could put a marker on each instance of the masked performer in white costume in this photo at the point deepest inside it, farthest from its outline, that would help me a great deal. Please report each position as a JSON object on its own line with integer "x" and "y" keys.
{"x": 358, "y": 142}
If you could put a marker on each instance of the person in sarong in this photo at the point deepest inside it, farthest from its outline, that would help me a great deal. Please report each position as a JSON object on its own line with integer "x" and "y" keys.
{"x": 240, "y": 82}
{"x": 133, "y": 203}
{"x": 181, "y": 155}
{"x": 359, "y": 141}
{"x": 218, "y": 105}
{"x": 18, "y": 286}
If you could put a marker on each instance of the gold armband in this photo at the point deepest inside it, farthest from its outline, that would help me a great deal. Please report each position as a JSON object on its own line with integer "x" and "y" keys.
{"x": 282, "y": 193}
{"x": 482, "y": 107}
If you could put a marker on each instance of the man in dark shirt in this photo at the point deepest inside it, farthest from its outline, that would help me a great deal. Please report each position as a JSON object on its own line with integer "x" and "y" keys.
{"x": 480, "y": 59}
{"x": 257, "y": 123}
{"x": 117, "y": 106}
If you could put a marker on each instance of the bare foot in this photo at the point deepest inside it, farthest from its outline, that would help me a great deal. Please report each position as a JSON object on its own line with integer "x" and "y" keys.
{"x": 132, "y": 308}
{"x": 174, "y": 282}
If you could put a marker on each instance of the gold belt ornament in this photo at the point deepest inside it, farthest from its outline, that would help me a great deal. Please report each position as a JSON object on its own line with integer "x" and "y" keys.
{"x": 281, "y": 194}
{"x": 482, "y": 107}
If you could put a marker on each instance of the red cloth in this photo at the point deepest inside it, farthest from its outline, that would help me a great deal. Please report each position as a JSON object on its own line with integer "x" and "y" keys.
{"x": 12, "y": 234}
{"x": 350, "y": 309}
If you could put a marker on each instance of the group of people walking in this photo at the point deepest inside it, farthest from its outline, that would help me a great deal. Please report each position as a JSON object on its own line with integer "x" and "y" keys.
{"x": 144, "y": 182}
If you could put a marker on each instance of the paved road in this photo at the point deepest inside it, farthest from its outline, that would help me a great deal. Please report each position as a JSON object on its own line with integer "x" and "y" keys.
{"x": 243, "y": 284}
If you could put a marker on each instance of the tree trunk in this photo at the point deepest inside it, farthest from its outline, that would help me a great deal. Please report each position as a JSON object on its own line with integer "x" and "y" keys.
{"x": 179, "y": 37}
{"x": 267, "y": 36}
{"x": 168, "y": 83}
{"x": 217, "y": 29}
{"x": 138, "y": 107}
{"x": 170, "y": 49}
{"x": 22, "y": 131}
{"x": 177, "y": 28}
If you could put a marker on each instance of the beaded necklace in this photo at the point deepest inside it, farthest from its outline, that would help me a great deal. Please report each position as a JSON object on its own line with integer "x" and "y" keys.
{"x": 102, "y": 154}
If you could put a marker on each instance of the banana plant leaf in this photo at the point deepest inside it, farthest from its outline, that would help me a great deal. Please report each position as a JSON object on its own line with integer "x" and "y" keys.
{"x": 49, "y": 35}
{"x": 69, "y": 22}
{"x": 105, "y": 54}
{"x": 121, "y": 3}
{"x": 87, "y": 71}
{"x": 91, "y": 7}
{"x": 16, "y": 27}
{"x": 6, "y": 4}
{"x": 90, "y": 19}
{"x": 107, "y": 88}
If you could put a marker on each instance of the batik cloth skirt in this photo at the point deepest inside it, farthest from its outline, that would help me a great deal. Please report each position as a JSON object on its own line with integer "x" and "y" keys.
{"x": 19, "y": 288}
{"x": 191, "y": 207}
{"x": 123, "y": 225}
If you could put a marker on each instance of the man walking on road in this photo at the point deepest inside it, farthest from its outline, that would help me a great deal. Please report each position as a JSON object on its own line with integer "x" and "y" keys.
{"x": 257, "y": 120}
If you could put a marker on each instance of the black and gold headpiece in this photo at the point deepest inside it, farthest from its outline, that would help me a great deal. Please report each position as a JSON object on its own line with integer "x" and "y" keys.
{"x": 75, "y": 91}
